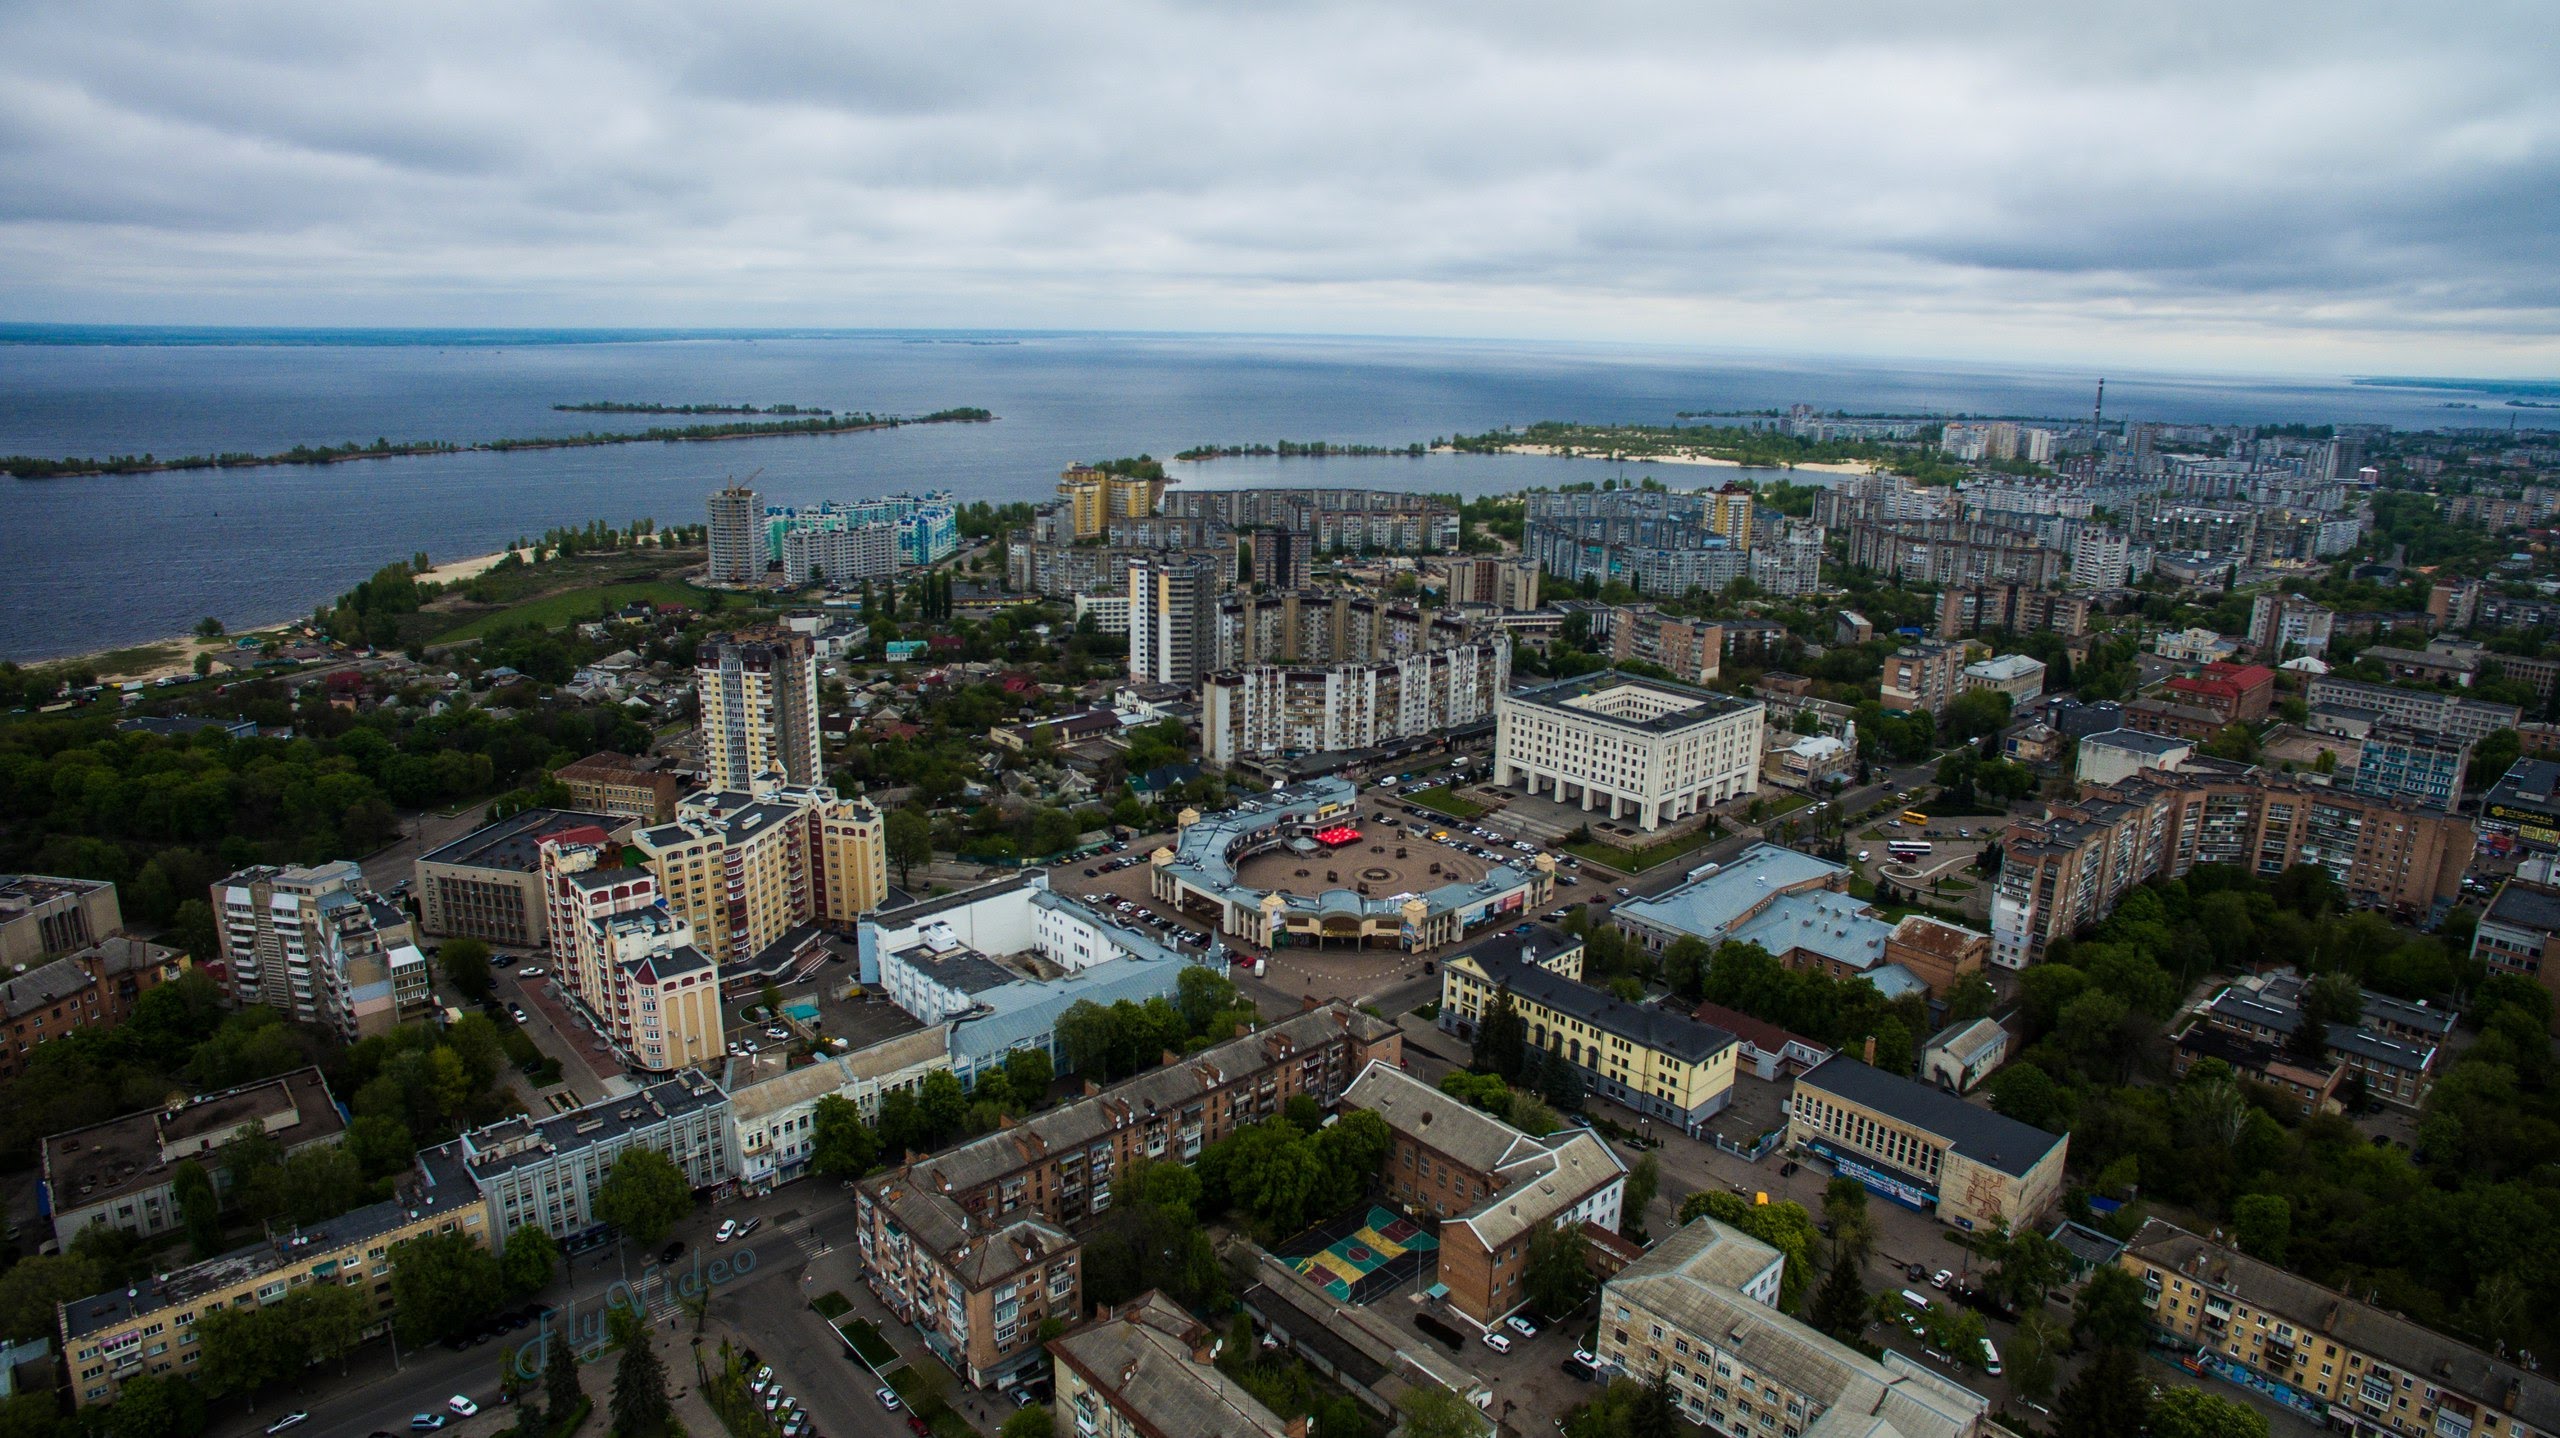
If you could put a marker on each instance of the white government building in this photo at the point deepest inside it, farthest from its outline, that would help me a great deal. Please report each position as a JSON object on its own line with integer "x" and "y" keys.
{"x": 1639, "y": 749}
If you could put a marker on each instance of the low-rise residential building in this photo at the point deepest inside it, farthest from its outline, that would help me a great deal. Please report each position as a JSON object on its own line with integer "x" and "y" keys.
{"x": 1922, "y": 678}
{"x": 976, "y": 1291}
{"x": 316, "y": 945}
{"x": 94, "y": 987}
{"x": 488, "y": 884}
{"x": 1198, "y": 876}
{"x": 42, "y": 915}
{"x": 543, "y": 1173}
{"x": 2525, "y": 802}
{"x": 1653, "y": 1060}
{"x": 999, "y": 964}
{"x": 1700, "y": 1312}
{"x": 622, "y": 786}
{"x": 123, "y": 1173}
{"x": 2115, "y": 755}
{"x": 1963, "y": 1054}
{"x": 2362, "y": 1368}
{"x": 2016, "y": 675}
{"x": 1491, "y": 1186}
{"x": 773, "y": 1112}
{"x": 2171, "y": 718}
{"x": 148, "y": 1327}
{"x": 1799, "y": 908}
{"x": 1639, "y": 749}
{"x": 2311, "y": 1085}
{"x": 1925, "y": 1148}
{"x": 1149, "y": 1370}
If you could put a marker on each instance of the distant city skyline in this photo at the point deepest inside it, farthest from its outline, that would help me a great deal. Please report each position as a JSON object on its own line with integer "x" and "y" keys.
{"x": 2280, "y": 189}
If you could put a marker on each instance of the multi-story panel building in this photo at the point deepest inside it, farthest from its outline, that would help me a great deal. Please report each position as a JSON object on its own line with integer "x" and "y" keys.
{"x": 753, "y": 871}
{"x": 773, "y": 1108}
{"x": 1923, "y": 678}
{"x": 837, "y": 555}
{"x": 42, "y": 916}
{"x": 756, "y": 708}
{"x": 545, "y": 1172}
{"x": 1060, "y": 1165}
{"x": 1789, "y": 565}
{"x": 737, "y": 536}
{"x": 2429, "y": 709}
{"x": 1333, "y": 519}
{"x": 1654, "y": 1060}
{"x": 1699, "y": 1311}
{"x": 2367, "y": 1370}
{"x": 148, "y": 1327}
{"x": 2013, "y": 608}
{"x": 316, "y": 945}
{"x": 89, "y": 988}
{"x": 1491, "y": 1187}
{"x": 1692, "y": 649}
{"x": 1173, "y": 618}
{"x": 488, "y": 883}
{"x": 123, "y": 1173}
{"x": 976, "y": 1293}
{"x": 1955, "y": 553}
{"x": 621, "y": 786}
{"x": 2100, "y": 558}
{"x": 1507, "y": 582}
{"x": 1925, "y": 1148}
{"x": 1149, "y": 1370}
{"x": 1650, "y": 751}
{"x": 2520, "y": 934}
{"x": 2425, "y": 767}
{"x": 2071, "y": 867}
{"x": 1273, "y": 709}
{"x": 2284, "y": 625}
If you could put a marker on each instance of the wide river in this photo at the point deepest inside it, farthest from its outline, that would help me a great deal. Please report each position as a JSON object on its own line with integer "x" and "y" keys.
{"x": 87, "y": 563}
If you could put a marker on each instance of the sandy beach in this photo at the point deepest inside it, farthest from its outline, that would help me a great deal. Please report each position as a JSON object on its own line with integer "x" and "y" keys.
{"x": 1842, "y": 466}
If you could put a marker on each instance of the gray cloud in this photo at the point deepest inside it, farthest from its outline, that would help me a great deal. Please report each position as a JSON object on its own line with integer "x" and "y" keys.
{"x": 2294, "y": 187}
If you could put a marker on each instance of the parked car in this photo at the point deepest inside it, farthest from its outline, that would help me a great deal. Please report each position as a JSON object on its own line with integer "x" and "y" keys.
{"x": 426, "y": 1422}
{"x": 728, "y": 1230}
{"x": 1497, "y": 1343}
{"x": 462, "y": 1406}
{"x": 750, "y": 1226}
{"x": 1580, "y": 1371}
{"x": 530, "y": 971}
{"x": 1521, "y": 1326}
{"x": 1942, "y": 1278}
{"x": 888, "y": 1398}
{"x": 673, "y": 1251}
{"x": 294, "y": 1419}
{"x": 1586, "y": 1358}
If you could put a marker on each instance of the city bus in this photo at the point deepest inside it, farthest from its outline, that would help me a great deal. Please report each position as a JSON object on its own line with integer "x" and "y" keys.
{"x": 1906, "y": 849}
{"x": 1914, "y": 818}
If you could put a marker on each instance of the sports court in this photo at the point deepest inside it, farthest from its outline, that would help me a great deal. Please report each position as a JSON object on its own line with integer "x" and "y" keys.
{"x": 1358, "y": 1257}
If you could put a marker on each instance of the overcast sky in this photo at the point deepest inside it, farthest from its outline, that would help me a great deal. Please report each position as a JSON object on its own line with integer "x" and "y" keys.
{"x": 2266, "y": 186}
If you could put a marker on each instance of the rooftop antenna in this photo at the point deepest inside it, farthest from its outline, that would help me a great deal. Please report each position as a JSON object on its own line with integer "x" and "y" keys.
{"x": 2098, "y": 413}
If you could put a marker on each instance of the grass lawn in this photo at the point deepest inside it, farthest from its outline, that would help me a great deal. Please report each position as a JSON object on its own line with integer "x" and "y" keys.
{"x": 137, "y": 659}
{"x": 1442, "y": 799}
{"x": 1636, "y": 861}
{"x": 1954, "y": 886}
{"x": 830, "y": 1304}
{"x": 571, "y": 606}
{"x": 1789, "y": 804}
{"x": 867, "y": 1342}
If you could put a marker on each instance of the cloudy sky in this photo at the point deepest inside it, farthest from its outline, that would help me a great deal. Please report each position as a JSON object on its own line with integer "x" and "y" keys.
{"x": 2269, "y": 186}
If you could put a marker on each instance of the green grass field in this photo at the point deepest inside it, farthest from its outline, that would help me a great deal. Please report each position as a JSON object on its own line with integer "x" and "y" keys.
{"x": 1636, "y": 861}
{"x": 1442, "y": 799}
{"x": 572, "y": 606}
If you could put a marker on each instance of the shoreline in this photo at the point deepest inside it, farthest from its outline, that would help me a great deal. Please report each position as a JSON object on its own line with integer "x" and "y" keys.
{"x": 189, "y": 644}
{"x": 1550, "y": 451}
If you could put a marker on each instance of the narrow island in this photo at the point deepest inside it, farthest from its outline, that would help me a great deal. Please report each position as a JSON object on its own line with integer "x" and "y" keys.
{"x": 1297, "y": 449}
{"x": 24, "y": 466}
{"x": 613, "y": 406}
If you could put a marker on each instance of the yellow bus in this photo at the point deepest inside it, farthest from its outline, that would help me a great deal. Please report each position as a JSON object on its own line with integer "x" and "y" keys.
{"x": 1914, "y": 817}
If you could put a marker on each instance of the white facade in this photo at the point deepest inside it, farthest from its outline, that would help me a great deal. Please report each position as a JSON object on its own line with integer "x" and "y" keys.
{"x": 737, "y": 536}
{"x": 1653, "y": 752}
{"x": 2100, "y": 558}
{"x": 1271, "y": 709}
{"x": 2019, "y": 676}
{"x": 1110, "y": 611}
{"x": 862, "y": 551}
{"x": 1172, "y": 624}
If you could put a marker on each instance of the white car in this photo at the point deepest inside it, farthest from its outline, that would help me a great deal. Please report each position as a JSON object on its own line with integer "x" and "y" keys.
{"x": 1586, "y": 1358}
{"x": 462, "y": 1407}
{"x": 1497, "y": 1343}
{"x": 888, "y": 1398}
{"x": 530, "y": 971}
{"x": 728, "y": 1230}
{"x": 777, "y": 1031}
{"x": 1862, "y": 856}
{"x": 1942, "y": 1278}
{"x": 293, "y": 1419}
{"x": 1521, "y": 1326}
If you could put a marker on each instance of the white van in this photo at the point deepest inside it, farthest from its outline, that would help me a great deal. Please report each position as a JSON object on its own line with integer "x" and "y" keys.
{"x": 1990, "y": 1358}
{"x": 1916, "y": 1300}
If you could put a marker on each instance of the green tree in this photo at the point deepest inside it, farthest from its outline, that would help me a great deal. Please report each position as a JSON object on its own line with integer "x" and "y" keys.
{"x": 640, "y": 1407}
{"x": 155, "y": 1405}
{"x": 560, "y": 1390}
{"x": 465, "y": 963}
{"x": 2193, "y": 1413}
{"x": 2110, "y": 1311}
{"x": 2262, "y": 1223}
{"x": 2034, "y": 1358}
{"x": 31, "y": 1289}
{"x": 1086, "y": 1034}
{"x": 326, "y": 1321}
{"x": 841, "y": 1144}
{"x": 1840, "y": 1304}
{"x": 2107, "y": 1400}
{"x": 1031, "y": 1422}
{"x": 1028, "y": 1072}
{"x": 1644, "y": 1180}
{"x": 644, "y": 1195}
{"x": 2491, "y": 758}
{"x": 1557, "y": 1277}
{"x": 201, "y": 1207}
{"x": 526, "y": 1264}
{"x": 441, "y": 1284}
{"x": 1432, "y": 1411}
{"x": 245, "y": 1350}
{"x": 908, "y": 838}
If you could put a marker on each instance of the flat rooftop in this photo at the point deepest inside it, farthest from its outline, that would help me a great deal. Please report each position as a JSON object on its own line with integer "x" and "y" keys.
{"x": 514, "y": 843}
{"x": 137, "y": 1152}
{"x": 1627, "y": 701}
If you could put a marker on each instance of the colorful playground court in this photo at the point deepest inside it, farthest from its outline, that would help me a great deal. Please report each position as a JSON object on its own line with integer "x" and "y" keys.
{"x": 1359, "y": 1257}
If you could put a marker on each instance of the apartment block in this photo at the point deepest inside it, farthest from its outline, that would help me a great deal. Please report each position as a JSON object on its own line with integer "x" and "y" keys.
{"x": 2070, "y": 868}
{"x": 1647, "y": 750}
{"x": 2016, "y": 675}
{"x": 754, "y": 871}
{"x": 1700, "y": 1312}
{"x": 773, "y": 1107}
{"x": 1923, "y": 678}
{"x": 2429, "y": 709}
{"x": 737, "y": 536}
{"x": 123, "y": 1173}
{"x": 2520, "y": 934}
{"x": 148, "y": 1327}
{"x": 756, "y": 708}
{"x": 1653, "y": 1060}
{"x": 1149, "y": 1370}
{"x": 1692, "y": 649}
{"x": 2362, "y": 1368}
{"x": 1491, "y": 1187}
{"x": 488, "y": 883}
{"x": 314, "y": 944}
{"x": 976, "y": 1293}
{"x": 545, "y": 1172}
{"x": 41, "y": 916}
{"x": 2099, "y": 558}
{"x": 2011, "y": 608}
{"x": 2285, "y": 625}
{"x": 626, "y": 959}
{"x": 1926, "y": 1149}
{"x": 1507, "y": 582}
{"x": 621, "y": 786}
{"x": 1272, "y": 709}
{"x": 1172, "y": 618}
{"x": 2422, "y": 766}
{"x": 90, "y": 988}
